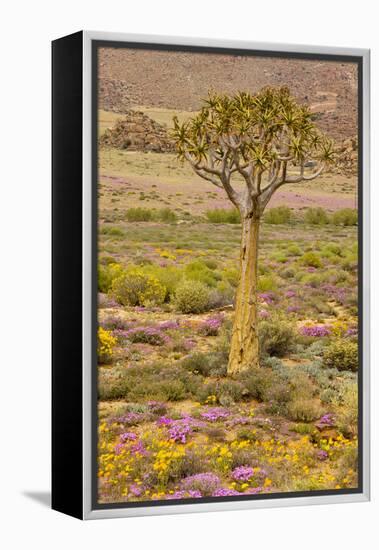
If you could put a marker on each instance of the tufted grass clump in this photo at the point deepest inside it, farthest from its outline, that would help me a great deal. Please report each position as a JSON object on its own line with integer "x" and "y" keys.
{"x": 316, "y": 216}
{"x": 278, "y": 215}
{"x": 223, "y": 215}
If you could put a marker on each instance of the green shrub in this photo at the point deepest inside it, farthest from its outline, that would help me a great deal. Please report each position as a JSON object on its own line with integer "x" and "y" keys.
{"x": 158, "y": 382}
{"x": 304, "y": 429}
{"x": 211, "y": 263}
{"x": 294, "y": 250}
{"x": 168, "y": 276}
{"x": 231, "y": 274}
{"x": 222, "y": 215}
{"x": 191, "y": 297}
{"x": 266, "y": 283}
{"x": 304, "y": 410}
{"x": 341, "y": 354}
{"x": 222, "y": 295}
{"x": 277, "y": 336}
{"x": 198, "y": 363}
{"x": 198, "y": 271}
{"x": 333, "y": 249}
{"x": 165, "y": 215}
{"x": 139, "y": 214}
{"x": 112, "y": 231}
{"x": 136, "y": 288}
{"x": 348, "y": 417}
{"x": 225, "y": 391}
{"x": 345, "y": 216}
{"x": 316, "y": 216}
{"x": 311, "y": 259}
{"x": 314, "y": 280}
{"x": 278, "y": 215}
{"x": 257, "y": 382}
{"x": 106, "y": 275}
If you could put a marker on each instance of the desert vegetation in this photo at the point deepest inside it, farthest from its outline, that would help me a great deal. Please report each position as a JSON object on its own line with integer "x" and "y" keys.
{"x": 174, "y": 420}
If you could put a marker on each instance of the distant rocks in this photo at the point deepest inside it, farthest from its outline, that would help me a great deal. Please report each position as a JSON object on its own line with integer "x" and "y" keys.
{"x": 114, "y": 95}
{"x": 137, "y": 132}
{"x": 347, "y": 157}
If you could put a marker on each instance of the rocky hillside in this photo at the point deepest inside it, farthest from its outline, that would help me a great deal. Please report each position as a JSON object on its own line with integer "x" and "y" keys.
{"x": 179, "y": 80}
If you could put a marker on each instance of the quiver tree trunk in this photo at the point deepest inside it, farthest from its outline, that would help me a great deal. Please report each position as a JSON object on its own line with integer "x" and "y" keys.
{"x": 244, "y": 349}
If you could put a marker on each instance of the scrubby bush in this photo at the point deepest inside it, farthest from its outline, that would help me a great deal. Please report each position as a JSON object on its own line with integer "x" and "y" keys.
{"x": 145, "y": 335}
{"x": 342, "y": 354}
{"x": 139, "y": 214}
{"x": 304, "y": 410}
{"x": 112, "y": 231}
{"x": 345, "y": 216}
{"x": 294, "y": 250}
{"x": 198, "y": 271}
{"x": 311, "y": 259}
{"x": 159, "y": 382}
{"x": 191, "y": 297}
{"x": 266, "y": 283}
{"x": 348, "y": 417}
{"x": 106, "y": 275}
{"x": 231, "y": 274}
{"x": 165, "y": 215}
{"x": 222, "y": 295}
{"x": 316, "y": 216}
{"x": 168, "y": 276}
{"x": 105, "y": 346}
{"x": 224, "y": 392}
{"x": 277, "y": 336}
{"x": 223, "y": 215}
{"x": 136, "y": 288}
{"x": 257, "y": 382}
{"x": 278, "y": 215}
{"x": 206, "y": 364}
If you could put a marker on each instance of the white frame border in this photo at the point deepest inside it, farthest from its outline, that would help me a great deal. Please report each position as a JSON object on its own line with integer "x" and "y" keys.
{"x": 88, "y": 512}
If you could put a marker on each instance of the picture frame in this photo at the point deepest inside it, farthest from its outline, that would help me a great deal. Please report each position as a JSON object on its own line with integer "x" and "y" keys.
{"x": 75, "y": 207}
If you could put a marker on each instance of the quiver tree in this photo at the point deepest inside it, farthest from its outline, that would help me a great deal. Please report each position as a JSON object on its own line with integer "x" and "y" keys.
{"x": 250, "y": 146}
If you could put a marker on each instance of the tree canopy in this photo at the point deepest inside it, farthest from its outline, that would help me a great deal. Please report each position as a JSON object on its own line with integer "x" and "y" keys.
{"x": 268, "y": 138}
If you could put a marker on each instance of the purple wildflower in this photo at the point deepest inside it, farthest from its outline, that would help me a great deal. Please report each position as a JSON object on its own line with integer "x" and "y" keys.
{"x": 169, "y": 325}
{"x": 145, "y": 335}
{"x": 136, "y": 490}
{"x": 184, "y": 494}
{"x": 118, "y": 448}
{"x": 180, "y": 429}
{"x": 211, "y": 326}
{"x": 266, "y": 297}
{"x": 215, "y": 413}
{"x": 238, "y": 420}
{"x": 138, "y": 449}
{"x": 222, "y": 492}
{"x": 242, "y": 473}
{"x": 326, "y": 421}
{"x": 317, "y": 331}
{"x": 206, "y": 483}
{"x": 164, "y": 421}
{"x": 128, "y": 436}
{"x": 322, "y": 455}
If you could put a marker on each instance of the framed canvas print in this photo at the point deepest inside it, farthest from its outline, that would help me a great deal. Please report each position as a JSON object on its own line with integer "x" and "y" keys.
{"x": 210, "y": 275}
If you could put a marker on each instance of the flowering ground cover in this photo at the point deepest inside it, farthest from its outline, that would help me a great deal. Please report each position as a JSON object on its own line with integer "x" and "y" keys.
{"x": 172, "y": 424}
